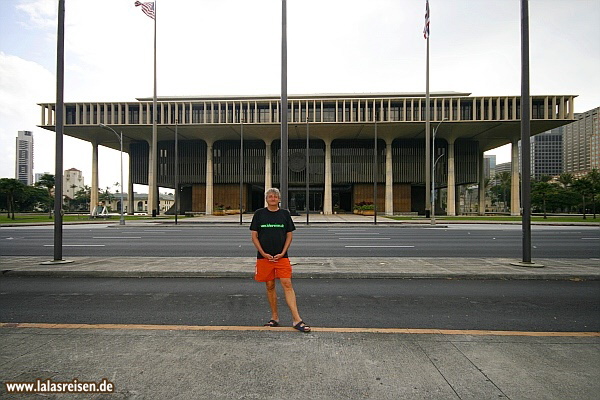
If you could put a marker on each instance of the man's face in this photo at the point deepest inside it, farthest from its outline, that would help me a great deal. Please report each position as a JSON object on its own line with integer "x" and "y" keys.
{"x": 272, "y": 199}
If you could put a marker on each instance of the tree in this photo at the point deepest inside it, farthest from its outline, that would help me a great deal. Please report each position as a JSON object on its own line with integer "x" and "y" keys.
{"x": 33, "y": 198}
{"x": 107, "y": 197}
{"x": 594, "y": 177}
{"x": 505, "y": 180}
{"x": 584, "y": 187}
{"x": 82, "y": 198}
{"x": 541, "y": 191}
{"x": 11, "y": 188}
{"x": 566, "y": 180}
{"x": 48, "y": 181}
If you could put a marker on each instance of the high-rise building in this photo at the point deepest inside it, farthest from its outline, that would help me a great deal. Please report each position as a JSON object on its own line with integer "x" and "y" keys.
{"x": 24, "y": 157}
{"x": 581, "y": 143}
{"x": 504, "y": 167}
{"x": 546, "y": 153}
{"x": 72, "y": 182}
{"x": 489, "y": 165}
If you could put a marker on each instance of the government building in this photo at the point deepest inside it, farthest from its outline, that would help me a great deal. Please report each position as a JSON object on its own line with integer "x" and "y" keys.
{"x": 345, "y": 133}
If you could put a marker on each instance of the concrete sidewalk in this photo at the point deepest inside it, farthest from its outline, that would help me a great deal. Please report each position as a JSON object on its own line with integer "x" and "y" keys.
{"x": 147, "y": 362}
{"x": 304, "y": 267}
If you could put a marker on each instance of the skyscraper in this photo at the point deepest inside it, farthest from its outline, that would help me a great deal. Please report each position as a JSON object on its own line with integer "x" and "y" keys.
{"x": 24, "y": 157}
{"x": 582, "y": 143}
{"x": 489, "y": 166}
{"x": 547, "y": 153}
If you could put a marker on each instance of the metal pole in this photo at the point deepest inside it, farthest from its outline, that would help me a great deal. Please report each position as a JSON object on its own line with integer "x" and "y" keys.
{"x": 58, "y": 170}
{"x": 176, "y": 172}
{"x": 122, "y": 220}
{"x": 283, "y": 171}
{"x": 525, "y": 133}
{"x": 427, "y": 132}
{"x": 153, "y": 184}
{"x": 307, "y": 174}
{"x": 241, "y": 164}
{"x": 433, "y": 163}
{"x": 432, "y": 196}
{"x": 375, "y": 173}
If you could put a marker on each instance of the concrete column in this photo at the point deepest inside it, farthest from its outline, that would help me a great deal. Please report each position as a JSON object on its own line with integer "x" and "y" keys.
{"x": 451, "y": 211}
{"x": 515, "y": 184}
{"x": 389, "y": 179}
{"x": 151, "y": 171}
{"x": 130, "y": 197}
{"x": 94, "y": 189}
{"x": 268, "y": 167}
{"x": 327, "y": 196}
{"x": 482, "y": 178}
{"x": 209, "y": 177}
{"x": 457, "y": 199}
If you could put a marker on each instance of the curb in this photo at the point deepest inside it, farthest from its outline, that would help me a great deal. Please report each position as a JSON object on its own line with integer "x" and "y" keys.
{"x": 300, "y": 275}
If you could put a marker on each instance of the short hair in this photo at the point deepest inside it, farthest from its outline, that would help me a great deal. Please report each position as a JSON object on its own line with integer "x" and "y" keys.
{"x": 275, "y": 191}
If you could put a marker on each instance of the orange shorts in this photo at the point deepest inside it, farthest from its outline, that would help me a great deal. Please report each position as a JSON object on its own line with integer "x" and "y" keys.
{"x": 270, "y": 270}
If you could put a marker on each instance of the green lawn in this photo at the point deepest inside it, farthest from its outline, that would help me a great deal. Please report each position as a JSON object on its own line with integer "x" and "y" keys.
{"x": 37, "y": 218}
{"x": 590, "y": 218}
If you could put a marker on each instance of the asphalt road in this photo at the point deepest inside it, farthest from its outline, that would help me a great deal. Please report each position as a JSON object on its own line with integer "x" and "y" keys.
{"x": 369, "y": 303}
{"x": 312, "y": 241}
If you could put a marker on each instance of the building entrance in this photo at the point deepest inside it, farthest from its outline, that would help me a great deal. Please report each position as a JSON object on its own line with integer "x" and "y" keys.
{"x": 297, "y": 199}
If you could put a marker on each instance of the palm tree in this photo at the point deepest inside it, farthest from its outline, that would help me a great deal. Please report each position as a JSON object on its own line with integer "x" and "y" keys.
{"x": 584, "y": 187}
{"x": 594, "y": 176}
{"x": 11, "y": 188}
{"x": 48, "y": 181}
{"x": 566, "y": 179}
{"x": 504, "y": 178}
{"x": 542, "y": 189}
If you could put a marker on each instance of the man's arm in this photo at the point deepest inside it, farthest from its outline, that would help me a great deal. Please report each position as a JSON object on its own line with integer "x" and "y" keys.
{"x": 286, "y": 246}
{"x": 256, "y": 243}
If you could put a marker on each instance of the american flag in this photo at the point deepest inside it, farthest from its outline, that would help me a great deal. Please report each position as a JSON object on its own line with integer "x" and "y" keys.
{"x": 147, "y": 8}
{"x": 426, "y": 29}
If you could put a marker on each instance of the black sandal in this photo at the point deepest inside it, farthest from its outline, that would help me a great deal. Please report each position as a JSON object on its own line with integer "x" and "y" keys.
{"x": 272, "y": 323}
{"x": 302, "y": 327}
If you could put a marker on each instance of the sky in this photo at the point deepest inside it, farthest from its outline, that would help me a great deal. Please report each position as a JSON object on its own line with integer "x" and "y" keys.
{"x": 233, "y": 47}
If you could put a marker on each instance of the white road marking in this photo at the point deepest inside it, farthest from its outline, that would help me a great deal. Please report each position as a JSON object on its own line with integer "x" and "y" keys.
{"x": 380, "y": 246}
{"x": 77, "y": 245}
{"x": 357, "y": 233}
{"x": 368, "y": 238}
{"x": 116, "y": 237}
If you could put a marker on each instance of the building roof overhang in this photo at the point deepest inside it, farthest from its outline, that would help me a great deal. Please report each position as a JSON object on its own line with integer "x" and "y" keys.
{"x": 489, "y": 134}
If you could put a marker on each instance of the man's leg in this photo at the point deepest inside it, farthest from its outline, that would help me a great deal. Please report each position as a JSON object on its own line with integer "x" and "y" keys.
{"x": 272, "y": 297}
{"x": 290, "y": 298}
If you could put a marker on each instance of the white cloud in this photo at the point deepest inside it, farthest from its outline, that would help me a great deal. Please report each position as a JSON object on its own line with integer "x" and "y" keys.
{"x": 22, "y": 85}
{"x": 42, "y": 13}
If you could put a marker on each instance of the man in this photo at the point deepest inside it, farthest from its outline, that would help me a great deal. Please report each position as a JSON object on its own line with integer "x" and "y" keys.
{"x": 272, "y": 235}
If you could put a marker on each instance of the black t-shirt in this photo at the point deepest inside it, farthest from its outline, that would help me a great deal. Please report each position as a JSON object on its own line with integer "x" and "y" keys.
{"x": 272, "y": 228}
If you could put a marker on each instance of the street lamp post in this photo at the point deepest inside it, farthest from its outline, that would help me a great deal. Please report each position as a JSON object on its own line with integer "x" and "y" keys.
{"x": 241, "y": 166}
{"x": 433, "y": 163}
{"x": 176, "y": 172}
{"x": 120, "y": 137}
{"x": 307, "y": 202}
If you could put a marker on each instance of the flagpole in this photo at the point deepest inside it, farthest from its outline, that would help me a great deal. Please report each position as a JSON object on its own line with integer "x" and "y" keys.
{"x": 427, "y": 121}
{"x": 283, "y": 171}
{"x": 58, "y": 172}
{"x": 427, "y": 139}
{"x": 153, "y": 189}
